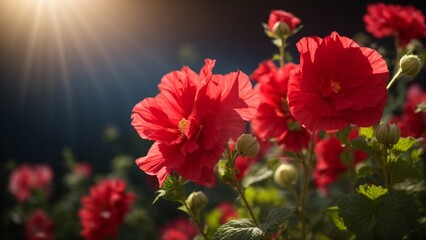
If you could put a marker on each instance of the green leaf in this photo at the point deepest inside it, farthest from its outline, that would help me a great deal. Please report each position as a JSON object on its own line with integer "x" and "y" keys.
{"x": 400, "y": 170}
{"x": 396, "y": 213}
{"x": 343, "y": 134}
{"x": 388, "y": 216}
{"x": 333, "y": 213}
{"x": 275, "y": 219}
{"x": 260, "y": 175}
{"x": 372, "y": 191}
{"x": 363, "y": 170}
{"x": 365, "y": 146}
{"x": 404, "y": 144}
{"x": 243, "y": 229}
{"x": 366, "y": 132}
{"x": 357, "y": 212}
{"x": 171, "y": 190}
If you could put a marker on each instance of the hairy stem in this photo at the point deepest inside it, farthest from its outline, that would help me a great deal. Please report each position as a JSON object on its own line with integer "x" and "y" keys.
{"x": 307, "y": 166}
{"x": 238, "y": 187}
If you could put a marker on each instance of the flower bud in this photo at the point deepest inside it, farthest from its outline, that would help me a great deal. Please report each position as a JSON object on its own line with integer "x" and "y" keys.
{"x": 387, "y": 133}
{"x": 285, "y": 175}
{"x": 281, "y": 29}
{"x": 247, "y": 145}
{"x": 410, "y": 65}
{"x": 196, "y": 201}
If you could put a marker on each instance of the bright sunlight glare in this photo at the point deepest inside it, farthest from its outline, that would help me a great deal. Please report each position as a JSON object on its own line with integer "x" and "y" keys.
{"x": 50, "y": 39}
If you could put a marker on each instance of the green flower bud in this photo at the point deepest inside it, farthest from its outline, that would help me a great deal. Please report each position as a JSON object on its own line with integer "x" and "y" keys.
{"x": 196, "y": 201}
{"x": 285, "y": 175}
{"x": 247, "y": 145}
{"x": 410, "y": 65}
{"x": 387, "y": 133}
{"x": 281, "y": 29}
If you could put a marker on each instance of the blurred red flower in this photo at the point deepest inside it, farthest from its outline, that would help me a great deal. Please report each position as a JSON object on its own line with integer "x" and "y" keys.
{"x": 83, "y": 169}
{"x": 282, "y": 16}
{"x": 337, "y": 83}
{"x": 329, "y": 165}
{"x": 227, "y": 211}
{"x": 273, "y": 119}
{"x": 104, "y": 209}
{"x": 412, "y": 123}
{"x": 406, "y": 22}
{"x": 191, "y": 120}
{"x": 178, "y": 229}
{"x": 26, "y": 178}
{"x": 39, "y": 226}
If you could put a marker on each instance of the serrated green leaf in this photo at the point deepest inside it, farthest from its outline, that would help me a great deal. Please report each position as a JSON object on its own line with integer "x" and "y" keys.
{"x": 260, "y": 175}
{"x": 275, "y": 219}
{"x": 243, "y": 229}
{"x": 366, "y": 132}
{"x": 333, "y": 213}
{"x": 400, "y": 170}
{"x": 404, "y": 144}
{"x": 372, "y": 191}
{"x": 396, "y": 213}
{"x": 389, "y": 216}
{"x": 357, "y": 212}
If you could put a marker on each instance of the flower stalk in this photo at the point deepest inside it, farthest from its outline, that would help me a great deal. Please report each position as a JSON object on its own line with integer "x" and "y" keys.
{"x": 307, "y": 168}
{"x": 231, "y": 160}
{"x": 195, "y": 216}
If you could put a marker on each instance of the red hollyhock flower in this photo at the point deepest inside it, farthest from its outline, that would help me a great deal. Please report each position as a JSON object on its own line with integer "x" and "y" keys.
{"x": 329, "y": 165}
{"x": 337, "y": 83}
{"x": 178, "y": 229}
{"x": 104, "y": 209}
{"x": 191, "y": 120}
{"x": 26, "y": 178}
{"x": 273, "y": 119}
{"x": 39, "y": 226}
{"x": 406, "y": 22}
{"x": 282, "y": 16}
{"x": 412, "y": 124}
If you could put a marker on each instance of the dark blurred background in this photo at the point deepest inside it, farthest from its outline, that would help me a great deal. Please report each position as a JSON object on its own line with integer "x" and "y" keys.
{"x": 72, "y": 69}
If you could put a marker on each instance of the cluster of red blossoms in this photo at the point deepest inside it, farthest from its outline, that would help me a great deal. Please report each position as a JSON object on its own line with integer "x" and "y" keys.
{"x": 26, "y": 178}
{"x": 104, "y": 209}
{"x": 404, "y": 22}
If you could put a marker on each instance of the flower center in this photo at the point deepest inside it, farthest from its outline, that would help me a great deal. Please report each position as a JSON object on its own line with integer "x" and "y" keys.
{"x": 182, "y": 125}
{"x": 335, "y": 86}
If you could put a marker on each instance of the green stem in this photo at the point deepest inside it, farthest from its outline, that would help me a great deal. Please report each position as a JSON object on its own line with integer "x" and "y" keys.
{"x": 195, "y": 218}
{"x": 239, "y": 189}
{"x": 384, "y": 170}
{"x": 307, "y": 165}
{"x": 395, "y": 76}
{"x": 282, "y": 51}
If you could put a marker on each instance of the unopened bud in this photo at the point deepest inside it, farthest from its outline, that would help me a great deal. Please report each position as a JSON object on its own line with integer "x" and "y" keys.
{"x": 410, "y": 65}
{"x": 285, "y": 175}
{"x": 281, "y": 29}
{"x": 247, "y": 145}
{"x": 387, "y": 133}
{"x": 196, "y": 201}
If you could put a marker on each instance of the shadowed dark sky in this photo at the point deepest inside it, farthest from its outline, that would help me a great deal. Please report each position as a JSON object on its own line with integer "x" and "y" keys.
{"x": 102, "y": 60}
